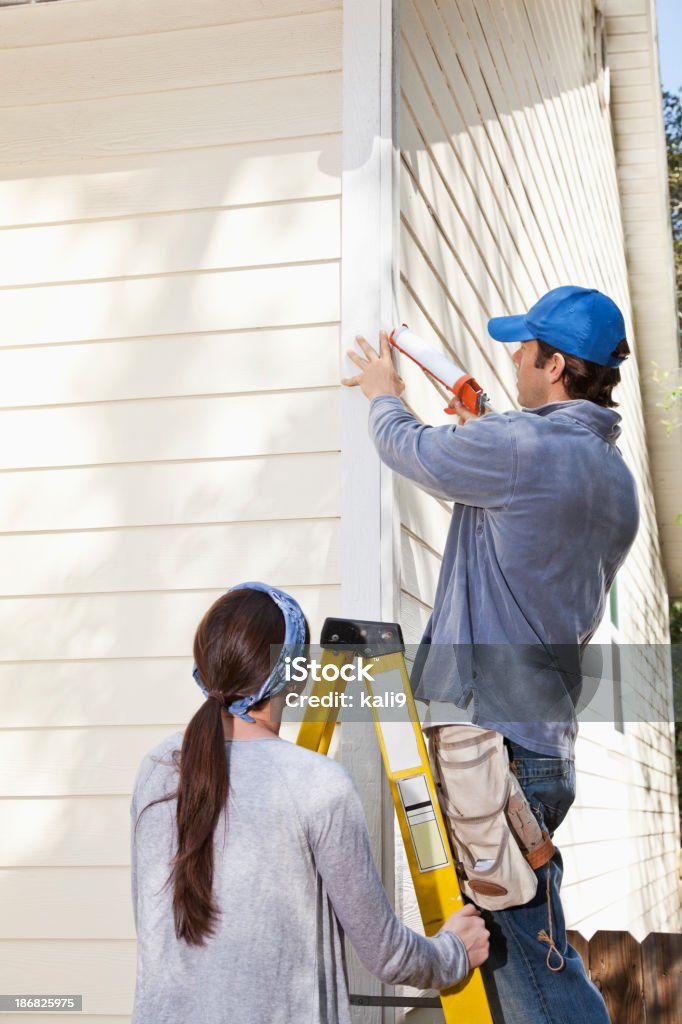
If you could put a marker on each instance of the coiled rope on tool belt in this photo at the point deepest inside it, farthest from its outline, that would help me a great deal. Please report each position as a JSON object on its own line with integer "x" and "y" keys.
{"x": 544, "y": 937}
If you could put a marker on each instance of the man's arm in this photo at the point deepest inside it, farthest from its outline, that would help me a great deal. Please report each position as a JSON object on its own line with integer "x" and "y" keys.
{"x": 473, "y": 463}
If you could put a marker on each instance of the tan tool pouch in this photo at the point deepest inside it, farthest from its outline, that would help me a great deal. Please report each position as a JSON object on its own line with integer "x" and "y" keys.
{"x": 496, "y": 838}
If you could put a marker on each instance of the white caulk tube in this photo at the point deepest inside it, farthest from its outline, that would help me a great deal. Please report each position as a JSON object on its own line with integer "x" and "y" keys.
{"x": 447, "y": 373}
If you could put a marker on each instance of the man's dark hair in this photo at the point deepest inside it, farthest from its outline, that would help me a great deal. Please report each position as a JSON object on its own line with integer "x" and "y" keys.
{"x": 584, "y": 379}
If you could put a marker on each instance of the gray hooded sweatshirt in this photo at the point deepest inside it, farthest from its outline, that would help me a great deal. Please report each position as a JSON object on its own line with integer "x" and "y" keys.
{"x": 545, "y": 513}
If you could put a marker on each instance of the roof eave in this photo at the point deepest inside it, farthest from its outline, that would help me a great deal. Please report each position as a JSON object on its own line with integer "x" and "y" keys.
{"x": 639, "y": 139}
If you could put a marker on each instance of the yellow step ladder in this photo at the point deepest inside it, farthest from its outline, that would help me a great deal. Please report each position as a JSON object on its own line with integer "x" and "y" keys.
{"x": 389, "y": 695}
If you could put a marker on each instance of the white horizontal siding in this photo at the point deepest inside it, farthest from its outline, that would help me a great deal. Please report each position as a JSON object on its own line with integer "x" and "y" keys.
{"x": 74, "y": 762}
{"x": 168, "y": 557}
{"x": 136, "y": 63}
{"x": 194, "y": 491}
{"x": 175, "y": 121}
{"x": 102, "y": 970}
{"x": 83, "y": 830}
{"x": 180, "y": 428}
{"x": 92, "y": 692}
{"x": 627, "y": 818}
{"x": 143, "y": 184}
{"x": 225, "y": 363}
{"x": 509, "y": 188}
{"x": 55, "y": 903}
{"x": 108, "y": 19}
{"x": 155, "y": 624}
{"x": 169, "y": 291}
{"x": 171, "y": 304}
{"x": 172, "y": 243}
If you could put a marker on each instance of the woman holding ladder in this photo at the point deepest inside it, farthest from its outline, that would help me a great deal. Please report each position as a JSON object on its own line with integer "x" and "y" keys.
{"x": 251, "y": 858}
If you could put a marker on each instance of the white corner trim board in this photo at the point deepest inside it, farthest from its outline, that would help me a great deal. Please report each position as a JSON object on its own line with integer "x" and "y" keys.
{"x": 369, "y": 262}
{"x": 369, "y": 517}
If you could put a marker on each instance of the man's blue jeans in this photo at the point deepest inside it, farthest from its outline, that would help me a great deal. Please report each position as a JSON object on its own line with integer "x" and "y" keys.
{"x": 521, "y": 987}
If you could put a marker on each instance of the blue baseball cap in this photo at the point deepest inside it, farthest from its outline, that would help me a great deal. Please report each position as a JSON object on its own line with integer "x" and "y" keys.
{"x": 580, "y": 321}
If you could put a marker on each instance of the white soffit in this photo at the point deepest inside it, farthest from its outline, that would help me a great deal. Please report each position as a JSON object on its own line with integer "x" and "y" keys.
{"x": 639, "y": 136}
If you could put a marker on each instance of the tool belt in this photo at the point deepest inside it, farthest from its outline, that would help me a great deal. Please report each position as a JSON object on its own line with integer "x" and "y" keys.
{"x": 496, "y": 838}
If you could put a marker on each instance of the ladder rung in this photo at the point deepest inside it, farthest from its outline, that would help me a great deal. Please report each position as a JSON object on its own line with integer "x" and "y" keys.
{"x": 427, "y": 1002}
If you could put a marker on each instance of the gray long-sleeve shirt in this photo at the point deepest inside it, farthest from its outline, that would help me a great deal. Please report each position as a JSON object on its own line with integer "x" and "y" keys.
{"x": 545, "y": 513}
{"x": 293, "y": 872}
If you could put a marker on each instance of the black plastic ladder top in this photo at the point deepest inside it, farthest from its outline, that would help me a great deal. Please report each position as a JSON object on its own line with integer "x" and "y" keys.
{"x": 362, "y": 636}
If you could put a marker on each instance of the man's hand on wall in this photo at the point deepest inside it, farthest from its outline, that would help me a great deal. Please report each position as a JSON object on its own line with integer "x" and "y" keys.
{"x": 378, "y": 376}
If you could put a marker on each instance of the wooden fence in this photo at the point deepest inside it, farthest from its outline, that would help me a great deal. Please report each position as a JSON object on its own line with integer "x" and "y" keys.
{"x": 641, "y": 982}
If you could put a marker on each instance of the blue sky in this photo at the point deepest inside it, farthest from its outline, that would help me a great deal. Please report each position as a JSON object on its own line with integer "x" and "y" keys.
{"x": 670, "y": 43}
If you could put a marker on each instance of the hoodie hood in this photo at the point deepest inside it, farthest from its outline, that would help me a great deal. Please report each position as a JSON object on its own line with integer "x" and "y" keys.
{"x": 605, "y": 423}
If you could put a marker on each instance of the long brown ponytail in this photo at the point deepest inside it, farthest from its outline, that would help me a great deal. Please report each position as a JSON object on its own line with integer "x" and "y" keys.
{"x": 232, "y": 653}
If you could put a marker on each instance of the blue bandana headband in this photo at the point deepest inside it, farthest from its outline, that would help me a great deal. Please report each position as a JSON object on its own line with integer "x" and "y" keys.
{"x": 294, "y": 637}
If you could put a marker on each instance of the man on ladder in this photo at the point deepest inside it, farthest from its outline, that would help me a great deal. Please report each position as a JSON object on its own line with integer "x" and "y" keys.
{"x": 545, "y": 512}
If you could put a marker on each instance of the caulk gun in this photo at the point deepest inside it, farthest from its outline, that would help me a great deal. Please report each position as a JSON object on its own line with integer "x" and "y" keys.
{"x": 461, "y": 384}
